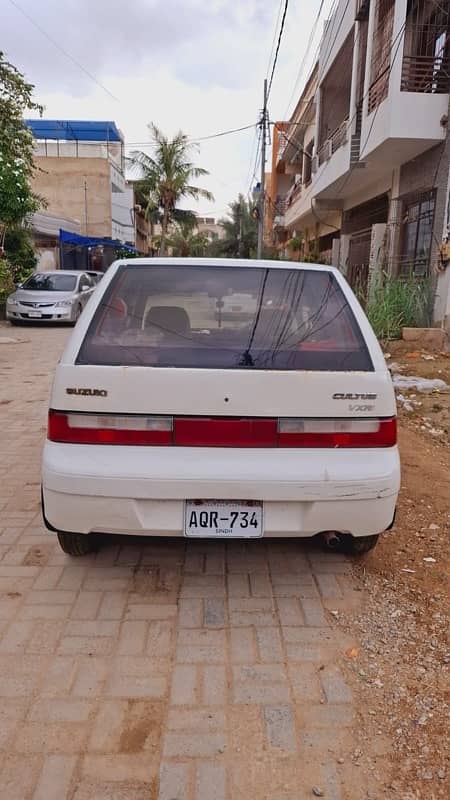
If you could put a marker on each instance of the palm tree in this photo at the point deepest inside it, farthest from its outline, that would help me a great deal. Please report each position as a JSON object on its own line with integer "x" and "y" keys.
{"x": 241, "y": 231}
{"x": 166, "y": 177}
{"x": 186, "y": 241}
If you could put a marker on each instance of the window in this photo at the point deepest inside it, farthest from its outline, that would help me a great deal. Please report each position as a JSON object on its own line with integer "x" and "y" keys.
{"x": 51, "y": 282}
{"x": 381, "y": 53}
{"x": 225, "y": 318}
{"x": 417, "y": 233}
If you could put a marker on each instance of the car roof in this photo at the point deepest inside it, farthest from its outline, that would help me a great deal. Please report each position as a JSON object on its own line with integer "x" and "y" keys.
{"x": 225, "y": 262}
{"x": 60, "y": 272}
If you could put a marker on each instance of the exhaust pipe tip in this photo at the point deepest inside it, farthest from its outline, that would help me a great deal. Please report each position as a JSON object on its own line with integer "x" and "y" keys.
{"x": 331, "y": 540}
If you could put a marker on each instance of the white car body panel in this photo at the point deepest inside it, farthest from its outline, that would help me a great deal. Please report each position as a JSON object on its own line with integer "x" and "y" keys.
{"x": 142, "y": 489}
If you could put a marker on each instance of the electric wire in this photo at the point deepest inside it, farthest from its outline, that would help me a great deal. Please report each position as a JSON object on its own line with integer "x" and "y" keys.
{"x": 305, "y": 57}
{"x": 200, "y": 138}
{"x": 280, "y": 36}
{"x": 61, "y": 49}
{"x": 274, "y": 37}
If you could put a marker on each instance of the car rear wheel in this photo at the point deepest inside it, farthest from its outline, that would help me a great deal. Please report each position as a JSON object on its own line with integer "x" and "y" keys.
{"x": 352, "y": 545}
{"x": 76, "y": 544}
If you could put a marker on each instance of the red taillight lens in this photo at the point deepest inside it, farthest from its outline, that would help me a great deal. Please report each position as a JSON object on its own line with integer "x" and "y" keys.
{"x": 104, "y": 429}
{"x": 337, "y": 433}
{"x": 122, "y": 429}
{"x": 225, "y": 432}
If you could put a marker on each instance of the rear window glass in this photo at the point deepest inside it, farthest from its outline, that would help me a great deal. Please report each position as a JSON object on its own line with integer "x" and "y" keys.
{"x": 51, "y": 283}
{"x": 225, "y": 318}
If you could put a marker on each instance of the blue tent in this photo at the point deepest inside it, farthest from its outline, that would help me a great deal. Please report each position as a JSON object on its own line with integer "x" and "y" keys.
{"x": 76, "y": 240}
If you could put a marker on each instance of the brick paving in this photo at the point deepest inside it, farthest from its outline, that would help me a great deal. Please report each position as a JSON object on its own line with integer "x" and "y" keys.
{"x": 159, "y": 668}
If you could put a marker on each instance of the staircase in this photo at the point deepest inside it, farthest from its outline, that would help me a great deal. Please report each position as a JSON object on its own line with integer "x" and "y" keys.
{"x": 355, "y": 142}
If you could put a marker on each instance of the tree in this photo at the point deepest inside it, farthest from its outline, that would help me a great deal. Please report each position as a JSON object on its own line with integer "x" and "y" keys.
{"x": 185, "y": 240}
{"x": 16, "y": 148}
{"x": 20, "y": 253}
{"x": 241, "y": 232}
{"x": 166, "y": 177}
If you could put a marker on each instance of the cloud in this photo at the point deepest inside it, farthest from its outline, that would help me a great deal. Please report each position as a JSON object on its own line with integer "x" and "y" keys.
{"x": 110, "y": 38}
{"x": 187, "y": 64}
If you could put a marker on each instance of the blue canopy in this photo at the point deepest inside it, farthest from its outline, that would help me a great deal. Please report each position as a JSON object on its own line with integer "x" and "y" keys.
{"x": 76, "y": 240}
{"x": 74, "y": 130}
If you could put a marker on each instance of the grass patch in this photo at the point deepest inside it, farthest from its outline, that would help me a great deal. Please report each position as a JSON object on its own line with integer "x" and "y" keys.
{"x": 399, "y": 303}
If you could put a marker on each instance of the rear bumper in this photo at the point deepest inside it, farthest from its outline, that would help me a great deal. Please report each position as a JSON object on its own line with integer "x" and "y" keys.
{"x": 139, "y": 490}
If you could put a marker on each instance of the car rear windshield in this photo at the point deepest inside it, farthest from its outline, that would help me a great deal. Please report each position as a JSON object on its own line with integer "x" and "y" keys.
{"x": 51, "y": 283}
{"x": 225, "y": 318}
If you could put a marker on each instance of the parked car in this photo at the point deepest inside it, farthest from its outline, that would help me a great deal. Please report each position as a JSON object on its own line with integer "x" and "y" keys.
{"x": 284, "y": 427}
{"x": 50, "y": 297}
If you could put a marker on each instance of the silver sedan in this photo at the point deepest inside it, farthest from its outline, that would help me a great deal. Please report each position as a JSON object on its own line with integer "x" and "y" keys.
{"x": 50, "y": 297}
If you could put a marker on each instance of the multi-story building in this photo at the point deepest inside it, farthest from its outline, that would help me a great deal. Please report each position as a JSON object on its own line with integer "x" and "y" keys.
{"x": 210, "y": 227}
{"x": 80, "y": 174}
{"x": 360, "y": 172}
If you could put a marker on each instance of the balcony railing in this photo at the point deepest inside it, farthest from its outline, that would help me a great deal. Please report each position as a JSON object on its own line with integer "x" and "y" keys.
{"x": 336, "y": 140}
{"x": 378, "y": 90}
{"x": 426, "y": 74}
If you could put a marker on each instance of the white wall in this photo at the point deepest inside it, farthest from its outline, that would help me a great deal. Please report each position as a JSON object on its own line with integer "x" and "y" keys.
{"x": 122, "y": 215}
{"x": 337, "y": 30}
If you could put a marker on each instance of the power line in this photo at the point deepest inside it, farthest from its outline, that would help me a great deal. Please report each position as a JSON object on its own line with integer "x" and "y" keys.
{"x": 274, "y": 36}
{"x": 305, "y": 57}
{"x": 283, "y": 20}
{"x": 258, "y": 146}
{"x": 61, "y": 49}
{"x": 200, "y": 138}
{"x": 335, "y": 37}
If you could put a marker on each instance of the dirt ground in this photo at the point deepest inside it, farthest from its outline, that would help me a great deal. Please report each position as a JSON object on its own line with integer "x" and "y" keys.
{"x": 428, "y": 412}
{"x": 402, "y": 668}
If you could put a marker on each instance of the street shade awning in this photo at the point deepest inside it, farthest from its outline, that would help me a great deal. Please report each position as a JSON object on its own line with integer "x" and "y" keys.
{"x": 77, "y": 240}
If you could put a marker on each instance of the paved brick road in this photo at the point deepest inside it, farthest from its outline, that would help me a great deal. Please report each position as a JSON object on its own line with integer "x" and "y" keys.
{"x": 159, "y": 669}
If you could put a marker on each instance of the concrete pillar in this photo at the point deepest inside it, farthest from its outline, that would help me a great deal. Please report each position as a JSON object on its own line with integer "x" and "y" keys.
{"x": 441, "y": 311}
{"x": 377, "y": 258}
{"x": 335, "y": 253}
{"x": 392, "y": 248}
{"x": 317, "y": 120}
{"x": 354, "y": 86}
{"x": 367, "y": 73}
{"x": 343, "y": 253}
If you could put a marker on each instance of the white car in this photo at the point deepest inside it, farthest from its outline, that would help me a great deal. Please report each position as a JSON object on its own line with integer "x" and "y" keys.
{"x": 165, "y": 423}
{"x": 56, "y": 296}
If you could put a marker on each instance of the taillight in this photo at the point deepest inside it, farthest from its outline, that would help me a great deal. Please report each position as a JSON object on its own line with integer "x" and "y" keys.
{"x": 225, "y": 432}
{"x": 109, "y": 429}
{"x": 123, "y": 429}
{"x": 337, "y": 432}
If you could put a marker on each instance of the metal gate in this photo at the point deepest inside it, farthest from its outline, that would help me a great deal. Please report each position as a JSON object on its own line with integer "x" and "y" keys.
{"x": 358, "y": 262}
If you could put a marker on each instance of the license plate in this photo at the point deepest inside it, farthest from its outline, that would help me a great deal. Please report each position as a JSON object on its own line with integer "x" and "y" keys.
{"x": 223, "y": 519}
{"x": 35, "y": 314}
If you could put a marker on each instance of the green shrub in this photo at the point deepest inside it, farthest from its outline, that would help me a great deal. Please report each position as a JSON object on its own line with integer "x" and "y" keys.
{"x": 6, "y": 279}
{"x": 398, "y": 303}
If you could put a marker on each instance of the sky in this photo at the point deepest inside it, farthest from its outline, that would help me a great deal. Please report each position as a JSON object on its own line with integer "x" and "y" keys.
{"x": 184, "y": 64}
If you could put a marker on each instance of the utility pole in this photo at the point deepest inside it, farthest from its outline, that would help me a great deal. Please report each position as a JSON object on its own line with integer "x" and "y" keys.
{"x": 263, "y": 176}
{"x": 85, "y": 208}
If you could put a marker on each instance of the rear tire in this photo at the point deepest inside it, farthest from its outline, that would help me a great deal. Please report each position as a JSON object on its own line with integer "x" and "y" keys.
{"x": 76, "y": 544}
{"x": 351, "y": 545}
